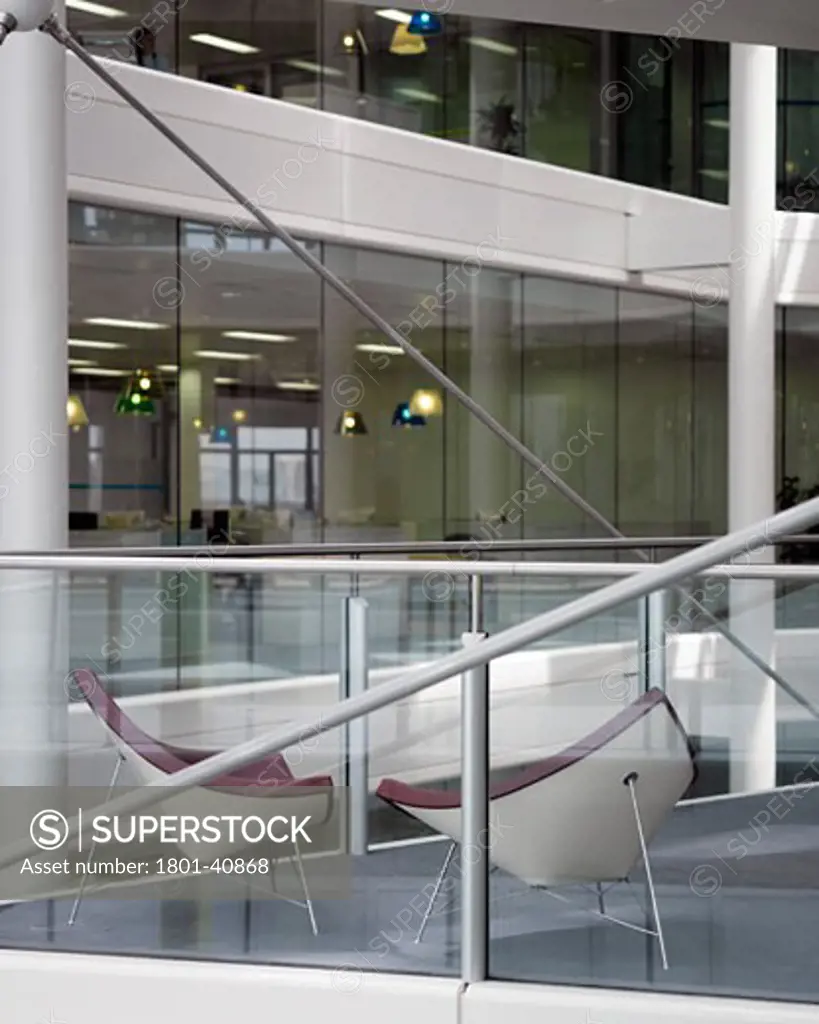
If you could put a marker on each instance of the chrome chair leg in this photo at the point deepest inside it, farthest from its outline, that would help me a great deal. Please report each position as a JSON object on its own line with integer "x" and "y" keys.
{"x": 629, "y": 781}
{"x": 307, "y": 902}
{"x": 72, "y": 917}
{"x": 303, "y": 877}
{"x": 436, "y": 891}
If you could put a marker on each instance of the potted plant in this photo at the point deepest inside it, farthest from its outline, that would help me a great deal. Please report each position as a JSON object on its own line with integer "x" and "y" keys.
{"x": 793, "y": 493}
{"x": 498, "y": 121}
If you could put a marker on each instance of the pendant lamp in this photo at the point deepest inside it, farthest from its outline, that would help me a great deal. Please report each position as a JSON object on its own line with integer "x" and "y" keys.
{"x": 423, "y": 23}
{"x": 404, "y": 44}
{"x": 138, "y": 396}
{"x": 426, "y": 402}
{"x": 351, "y": 424}
{"x": 404, "y": 417}
{"x": 75, "y": 411}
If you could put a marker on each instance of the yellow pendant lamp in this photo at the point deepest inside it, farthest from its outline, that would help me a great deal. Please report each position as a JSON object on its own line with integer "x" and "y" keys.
{"x": 405, "y": 44}
{"x": 426, "y": 403}
{"x": 75, "y": 411}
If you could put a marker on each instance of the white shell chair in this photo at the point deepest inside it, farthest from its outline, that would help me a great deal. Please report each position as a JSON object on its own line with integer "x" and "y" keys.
{"x": 583, "y": 816}
{"x": 269, "y": 779}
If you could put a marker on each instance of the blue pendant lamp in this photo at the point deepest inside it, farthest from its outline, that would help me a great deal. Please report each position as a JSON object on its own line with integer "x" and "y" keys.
{"x": 423, "y": 23}
{"x": 404, "y": 417}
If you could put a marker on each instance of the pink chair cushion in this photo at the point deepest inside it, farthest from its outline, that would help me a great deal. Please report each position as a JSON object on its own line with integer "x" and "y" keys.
{"x": 397, "y": 792}
{"x": 270, "y": 771}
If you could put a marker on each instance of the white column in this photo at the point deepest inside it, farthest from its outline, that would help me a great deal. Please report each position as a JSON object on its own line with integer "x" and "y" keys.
{"x": 196, "y": 415}
{"x": 751, "y": 399}
{"x": 33, "y": 427}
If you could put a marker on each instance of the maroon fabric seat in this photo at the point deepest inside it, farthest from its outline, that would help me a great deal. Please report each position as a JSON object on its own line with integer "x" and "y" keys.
{"x": 393, "y": 791}
{"x": 270, "y": 771}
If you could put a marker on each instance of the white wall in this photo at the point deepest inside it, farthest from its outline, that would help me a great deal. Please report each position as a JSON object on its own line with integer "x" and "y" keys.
{"x": 353, "y": 181}
{"x": 366, "y": 183}
{"x": 54, "y": 988}
{"x": 57, "y": 989}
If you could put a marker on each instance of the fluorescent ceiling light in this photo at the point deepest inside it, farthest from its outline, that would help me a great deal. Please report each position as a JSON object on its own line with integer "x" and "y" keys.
{"x": 99, "y": 9}
{"x": 390, "y": 350}
{"x": 717, "y": 123}
{"x": 391, "y": 14}
{"x": 103, "y": 346}
{"x": 226, "y": 380}
{"x": 137, "y": 325}
{"x": 167, "y": 367}
{"x": 297, "y": 385}
{"x": 493, "y": 45}
{"x": 81, "y": 362}
{"x": 257, "y": 336}
{"x": 419, "y": 94}
{"x": 101, "y": 371}
{"x": 220, "y": 43}
{"x": 238, "y": 357}
{"x": 314, "y": 69}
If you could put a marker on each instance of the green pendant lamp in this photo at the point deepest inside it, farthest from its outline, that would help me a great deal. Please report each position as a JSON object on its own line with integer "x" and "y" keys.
{"x": 138, "y": 397}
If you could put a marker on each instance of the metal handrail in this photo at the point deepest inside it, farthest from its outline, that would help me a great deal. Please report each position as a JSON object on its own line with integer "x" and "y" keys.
{"x": 637, "y": 585}
{"x": 458, "y": 547}
{"x": 70, "y": 562}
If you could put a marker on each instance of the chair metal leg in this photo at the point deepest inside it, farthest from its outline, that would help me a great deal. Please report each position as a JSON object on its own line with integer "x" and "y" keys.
{"x": 435, "y": 892}
{"x": 629, "y": 780}
{"x": 308, "y": 902}
{"x": 72, "y": 917}
{"x": 601, "y": 903}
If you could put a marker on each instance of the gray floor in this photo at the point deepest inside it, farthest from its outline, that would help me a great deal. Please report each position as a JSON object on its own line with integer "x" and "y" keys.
{"x": 738, "y": 892}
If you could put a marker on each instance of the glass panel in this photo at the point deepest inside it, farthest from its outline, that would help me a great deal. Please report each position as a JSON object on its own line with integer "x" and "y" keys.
{"x": 414, "y": 620}
{"x": 571, "y": 906}
{"x": 484, "y": 84}
{"x": 217, "y": 489}
{"x": 710, "y": 419}
{"x": 642, "y": 99}
{"x": 713, "y": 123}
{"x": 562, "y": 95}
{"x": 254, "y": 480}
{"x": 273, "y": 438}
{"x": 483, "y": 341}
{"x": 290, "y": 476}
{"x": 799, "y": 119}
{"x": 654, "y": 416}
{"x": 367, "y": 73}
{"x": 121, "y": 463}
{"x": 147, "y": 40}
{"x": 799, "y": 438}
{"x": 569, "y": 407}
{"x": 266, "y": 47}
{"x": 381, "y": 482}
{"x": 248, "y": 376}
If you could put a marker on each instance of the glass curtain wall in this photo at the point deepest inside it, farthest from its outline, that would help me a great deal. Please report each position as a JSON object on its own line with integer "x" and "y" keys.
{"x": 556, "y": 95}
{"x": 298, "y": 422}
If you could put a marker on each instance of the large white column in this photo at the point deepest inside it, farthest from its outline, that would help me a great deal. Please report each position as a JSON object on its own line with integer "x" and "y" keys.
{"x": 751, "y": 399}
{"x": 33, "y": 378}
